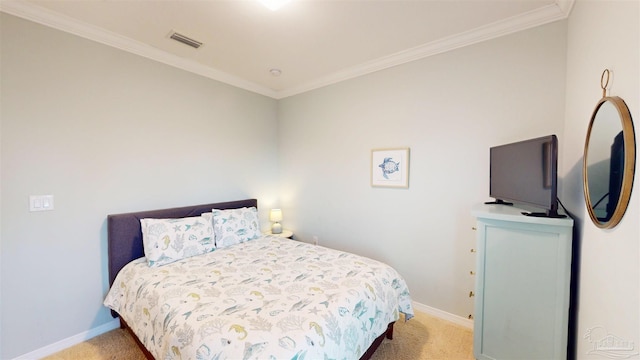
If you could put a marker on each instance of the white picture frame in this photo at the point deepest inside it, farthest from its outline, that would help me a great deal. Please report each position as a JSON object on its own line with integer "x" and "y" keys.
{"x": 390, "y": 167}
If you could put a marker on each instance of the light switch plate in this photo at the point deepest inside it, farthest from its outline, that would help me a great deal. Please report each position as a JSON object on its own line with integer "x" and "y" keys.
{"x": 40, "y": 202}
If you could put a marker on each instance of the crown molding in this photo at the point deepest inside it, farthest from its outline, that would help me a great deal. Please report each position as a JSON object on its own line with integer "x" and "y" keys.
{"x": 558, "y": 10}
{"x": 544, "y": 15}
{"x": 43, "y": 16}
{"x": 565, "y": 6}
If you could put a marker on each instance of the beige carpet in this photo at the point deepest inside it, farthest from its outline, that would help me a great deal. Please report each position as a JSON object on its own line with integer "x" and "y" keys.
{"x": 423, "y": 337}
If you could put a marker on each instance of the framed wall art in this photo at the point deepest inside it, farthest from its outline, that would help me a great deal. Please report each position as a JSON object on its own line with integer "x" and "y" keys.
{"x": 390, "y": 167}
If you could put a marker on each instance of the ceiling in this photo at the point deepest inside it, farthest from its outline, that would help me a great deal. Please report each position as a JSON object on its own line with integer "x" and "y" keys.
{"x": 313, "y": 43}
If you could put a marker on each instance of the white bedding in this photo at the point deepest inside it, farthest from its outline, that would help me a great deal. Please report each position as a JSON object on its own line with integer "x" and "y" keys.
{"x": 269, "y": 298}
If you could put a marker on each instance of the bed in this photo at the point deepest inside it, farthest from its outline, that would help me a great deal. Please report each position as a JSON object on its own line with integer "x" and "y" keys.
{"x": 264, "y": 297}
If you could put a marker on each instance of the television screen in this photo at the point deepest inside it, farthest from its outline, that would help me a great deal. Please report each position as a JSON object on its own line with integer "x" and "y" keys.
{"x": 526, "y": 172}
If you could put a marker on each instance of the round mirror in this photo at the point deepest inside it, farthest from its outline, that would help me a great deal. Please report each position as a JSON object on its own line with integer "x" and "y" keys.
{"x": 609, "y": 162}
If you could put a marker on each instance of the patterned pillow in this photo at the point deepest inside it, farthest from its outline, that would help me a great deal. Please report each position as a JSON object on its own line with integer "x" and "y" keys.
{"x": 169, "y": 240}
{"x": 234, "y": 226}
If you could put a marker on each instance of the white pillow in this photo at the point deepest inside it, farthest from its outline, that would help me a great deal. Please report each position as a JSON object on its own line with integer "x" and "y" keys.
{"x": 234, "y": 226}
{"x": 169, "y": 240}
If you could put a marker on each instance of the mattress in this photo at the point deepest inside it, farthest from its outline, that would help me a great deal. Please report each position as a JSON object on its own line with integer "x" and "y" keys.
{"x": 269, "y": 298}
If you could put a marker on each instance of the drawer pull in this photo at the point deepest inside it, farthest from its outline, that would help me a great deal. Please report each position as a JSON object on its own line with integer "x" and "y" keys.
{"x": 471, "y": 294}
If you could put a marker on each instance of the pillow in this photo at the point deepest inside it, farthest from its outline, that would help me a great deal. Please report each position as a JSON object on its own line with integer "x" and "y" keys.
{"x": 169, "y": 240}
{"x": 234, "y": 226}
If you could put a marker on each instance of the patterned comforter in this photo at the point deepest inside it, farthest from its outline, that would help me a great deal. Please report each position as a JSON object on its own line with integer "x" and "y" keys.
{"x": 269, "y": 298}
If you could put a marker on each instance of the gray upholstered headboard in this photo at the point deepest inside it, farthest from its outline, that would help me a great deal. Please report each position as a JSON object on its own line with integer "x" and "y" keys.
{"x": 125, "y": 237}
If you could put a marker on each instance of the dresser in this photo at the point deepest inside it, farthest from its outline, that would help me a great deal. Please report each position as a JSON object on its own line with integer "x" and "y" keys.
{"x": 522, "y": 286}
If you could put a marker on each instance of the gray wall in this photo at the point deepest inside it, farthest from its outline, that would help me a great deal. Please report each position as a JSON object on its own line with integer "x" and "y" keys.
{"x": 106, "y": 131}
{"x": 601, "y": 35}
{"x": 449, "y": 109}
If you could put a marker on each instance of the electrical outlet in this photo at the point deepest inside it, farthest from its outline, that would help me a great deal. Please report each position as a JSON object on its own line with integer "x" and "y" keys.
{"x": 315, "y": 240}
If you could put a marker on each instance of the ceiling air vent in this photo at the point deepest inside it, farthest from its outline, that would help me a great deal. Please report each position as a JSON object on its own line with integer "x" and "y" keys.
{"x": 185, "y": 40}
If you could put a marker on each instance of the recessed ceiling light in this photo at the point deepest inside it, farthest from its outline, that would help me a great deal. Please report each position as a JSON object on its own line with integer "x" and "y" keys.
{"x": 274, "y": 5}
{"x": 275, "y": 72}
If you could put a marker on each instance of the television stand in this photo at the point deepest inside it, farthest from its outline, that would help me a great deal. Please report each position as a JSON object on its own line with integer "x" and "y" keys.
{"x": 542, "y": 214}
{"x": 498, "y": 202}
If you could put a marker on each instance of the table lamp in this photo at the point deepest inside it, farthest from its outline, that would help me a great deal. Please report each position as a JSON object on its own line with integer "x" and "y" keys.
{"x": 275, "y": 215}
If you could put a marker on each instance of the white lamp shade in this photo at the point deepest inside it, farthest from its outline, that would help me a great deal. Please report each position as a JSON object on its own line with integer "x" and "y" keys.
{"x": 275, "y": 215}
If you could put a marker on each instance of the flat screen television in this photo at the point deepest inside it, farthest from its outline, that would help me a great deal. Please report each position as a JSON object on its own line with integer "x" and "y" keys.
{"x": 526, "y": 172}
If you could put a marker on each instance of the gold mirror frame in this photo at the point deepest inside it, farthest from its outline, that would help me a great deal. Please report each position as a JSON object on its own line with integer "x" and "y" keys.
{"x": 629, "y": 159}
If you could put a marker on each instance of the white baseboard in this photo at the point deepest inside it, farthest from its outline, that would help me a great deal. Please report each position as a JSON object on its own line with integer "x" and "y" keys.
{"x": 70, "y": 341}
{"x": 459, "y": 320}
{"x": 115, "y": 323}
